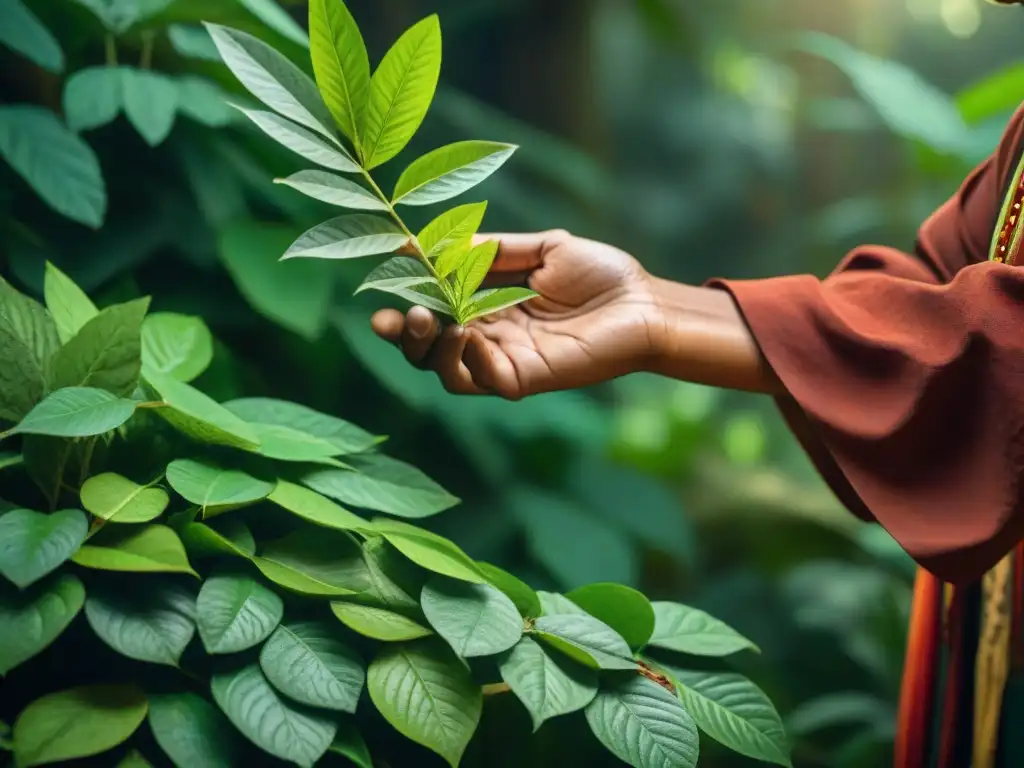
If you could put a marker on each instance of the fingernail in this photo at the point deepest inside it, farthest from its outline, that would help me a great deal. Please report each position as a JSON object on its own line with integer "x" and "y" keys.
{"x": 417, "y": 330}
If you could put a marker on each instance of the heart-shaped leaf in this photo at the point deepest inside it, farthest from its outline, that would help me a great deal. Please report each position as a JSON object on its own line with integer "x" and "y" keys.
{"x": 136, "y": 549}
{"x": 334, "y": 190}
{"x": 177, "y": 345}
{"x": 301, "y": 142}
{"x": 449, "y": 171}
{"x": 378, "y": 623}
{"x": 70, "y": 307}
{"x": 235, "y": 612}
{"x": 348, "y": 237}
{"x": 119, "y": 500}
{"x": 622, "y": 608}
{"x": 340, "y": 63}
{"x": 688, "y": 630}
{"x": 76, "y": 412}
{"x": 307, "y": 662}
{"x": 31, "y": 620}
{"x": 587, "y": 640}
{"x": 475, "y": 619}
{"x": 214, "y": 489}
{"x": 33, "y": 544}
{"x": 428, "y": 550}
{"x": 192, "y": 732}
{"x": 314, "y": 508}
{"x": 547, "y": 684}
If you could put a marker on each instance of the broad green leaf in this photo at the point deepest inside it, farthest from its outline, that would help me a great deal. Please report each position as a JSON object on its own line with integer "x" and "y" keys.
{"x": 349, "y": 743}
{"x": 57, "y": 164}
{"x": 308, "y": 663}
{"x": 118, "y": 15}
{"x": 587, "y": 640}
{"x": 623, "y": 609}
{"x": 192, "y": 42}
{"x": 452, "y": 226}
{"x": 425, "y": 691}
{"x": 117, "y": 499}
{"x": 29, "y": 322}
{"x": 522, "y": 595}
{"x": 348, "y": 438}
{"x": 70, "y": 307}
{"x": 314, "y": 508}
{"x": 475, "y": 619}
{"x": 150, "y": 103}
{"x": 92, "y": 97}
{"x": 33, "y": 544}
{"x": 992, "y": 96}
{"x": 554, "y": 604}
{"x": 23, "y": 32}
{"x": 301, "y": 142}
{"x": 315, "y": 561}
{"x": 214, "y": 489}
{"x": 148, "y": 549}
{"x": 333, "y": 190}
{"x": 32, "y": 619}
{"x": 78, "y": 722}
{"x": 270, "y": 721}
{"x": 340, "y": 64}
{"x": 151, "y": 621}
{"x": 396, "y": 274}
{"x": 272, "y": 79}
{"x": 227, "y": 536}
{"x": 497, "y": 299}
{"x": 10, "y": 459}
{"x": 235, "y": 612}
{"x": 453, "y": 257}
{"x": 105, "y": 353}
{"x": 199, "y": 417}
{"x": 378, "y": 623}
{"x": 688, "y": 630}
{"x": 644, "y": 725}
{"x": 382, "y": 484}
{"x": 348, "y": 237}
{"x": 470, "y": 273}
{"x": 22, "y": 377}
{"x": 204, "y": 102}
{"x": 428, "y": 550}
{"x": 275, "y": 17}
{"x": 287, "y": 444}
{"x": 547, "y": 684}
{"x": 76, "y": 412}
{"x": 395, "y": 582}
{"x": 192, "y": 732}
{"x": 178, "y": 345}
{"x": 401, "y": 90}
{"x": 449, "y": 171}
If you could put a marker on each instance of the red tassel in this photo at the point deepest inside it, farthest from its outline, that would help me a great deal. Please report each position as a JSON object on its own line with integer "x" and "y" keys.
{"x": 952, "y": 697}
{"x": 917, "y": 692}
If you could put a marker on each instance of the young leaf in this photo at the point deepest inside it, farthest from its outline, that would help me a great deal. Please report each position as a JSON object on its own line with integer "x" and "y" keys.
{"x": 547, "y": 685}
{"x": 453, "y": 226}
{"x": 301, "y": 142}
{"x": 70, "y": 307}
{"x": 76, "y": 412}
{"x": 79, "y": 722}
{"x": 315, "y": 561}
{"x": 449, "y": 171}
{"x": 150, "y": 103}
{"x": 428, "y": 550}
{"x": 117, "y": 499}
{"x": 33, "y": 544}
{"x": 269, "y": 721}
{"x": 494, "y": 300}
{"x": 226, "y": 536}
{"x": 521, "y": 593}
{"x": 587, "y": 640}
{"x": 623, "y": 609}
{"x": 180, "y": 346}
{"x": 378, "y": 623}
{"x": 400, "y": 92}
{"x": 425, "y": 691}
{"x": 235, "y": 612}
{"x": 23, "y": 32}
{"x": 314, "y": 508}
{"x": 334, "y": 190}
{"x": 348, "y": 742}
{"x": 474, "y": 619}
{"x": 346, "y": 437}
{"x": 348, "y": 237}
{"x": 213, "y": 489}
{"x": 396, "y": 273}
{"x": 192, "y": 732}
{"x": 472, "y": 271}
{"x": 149, "y": 549}
{"x": 340, "y": 64}
{"x": 30, "y": 620}
{"x": 453, "y": 257}
{"x": 309, "y": 664}
{"x": 688, "y": 630}
{"x": 197, "y": 416}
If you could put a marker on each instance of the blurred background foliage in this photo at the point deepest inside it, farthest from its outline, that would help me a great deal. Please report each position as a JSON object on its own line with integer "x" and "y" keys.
{"x": 733, "y": 138}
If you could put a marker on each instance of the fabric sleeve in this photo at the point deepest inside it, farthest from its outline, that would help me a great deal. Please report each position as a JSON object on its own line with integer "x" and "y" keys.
{"x": 905, "y": 378}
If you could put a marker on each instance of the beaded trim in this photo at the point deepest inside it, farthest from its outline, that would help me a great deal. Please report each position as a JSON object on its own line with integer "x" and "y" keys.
{"x": 1007, "y": 242}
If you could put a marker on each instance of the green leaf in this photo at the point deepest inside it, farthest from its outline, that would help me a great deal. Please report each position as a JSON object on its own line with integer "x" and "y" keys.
{"x": 32, "y": 619}
{"x": 76, "y": 412}
{"x": 150, "y": 103}
{"x": 349, "y": 743}
{"x": 227, "y": 536}
{"x": 348, "y": 438}
{"x": 106, "y": 352}
{"x": 213, "y": 489}
{"x": 92, "y": 97}
{"x": 382, "y": 484}
{"x": 428, "y": 550}
{"x": 495, "y": 300}
{"x": 314, "y": 508}
{"x": 192, "y": 42}
{"x": 548, "y": 685}
{"x": 29, "y": 322}
{"x": 315, "y": 561}
{"x": 10, "y": 459}
{"x": 119, "y": 500}
{"x": 75, "y": 723}
{"x": 179, "y": 345}
{"x": 301, "y": 142}
{"x": 23, "y": 32}
{"x": 269, "y": 721}
{"x": 33, "y": 544}
{"x": 45, "y": 461}
{"x": 449, "y": 171}
{"x": 687, "y": 630}
{"x": 192, "y": 732}
{"x": 309, "y": 664}
{"x": 587, "y": 640}
{"x": 116, "y": 15}
{"x": 153, "y": 623}
{"x": 149, "y": 549}
{"x": 378, "y": 623}
{"x": 451, "y": 258}
{"x": 22, "y": 381}
{"x": 452, "y": 226}
{"x": 333, "y": 190}
{"x": 522, "y": 595}
{"x": 396, "y": 274}
{"x": 401, "y": 90}
{"x": 340, "y": 64}
{"x": 993, "y": 96}
{"x": 275, "y": 17}
{"x": 235, "y": 612}
{"x": 272, "y": 79}
{"x": 70, "y": 307}
{"x": 425, "y": 691}
{"x": 197, "y": 416}
{"x": 554, "y": 604}
{"x": 348, "y": 237}
{"x": 204, "y": 102}
{"x": 623, "y": 609}
{"x": 475, "y": 619}
{"x": 470, "y": 273}
{"x": 644, "y": 725}
{"x": 134, "y": 759}
{"x": 395, "y": 582}
{"x": 56, "y": 163}
{"x": 287, "y": 444}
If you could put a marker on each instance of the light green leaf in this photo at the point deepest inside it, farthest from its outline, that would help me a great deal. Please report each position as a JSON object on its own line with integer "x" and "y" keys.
{"x": 401, "y": 90}
{"x": 453, "y": 257}
{"x": 449, "y": 171}
{"x": 33, "y": 544}
{"x": 178, "y": 345}
{"x": 470, "y": 273}
{"x": 993, "y": 95}
{"x": 214, "y": 489}
{"x": 427, "y": 295}
{"x": 227, "y": 536}
{"x": 494, "y": 300}
{"x": 119, "y": 500}
{"x": 314, "y": 508}
{"x": 301, "y": 142}
{"x": 315, "y": 561}
{"x": 70, "y": 307}
{"x": 378, "y": 623}
{"x": 192, "y": 42}
{"x": 425, "y": 691}
{"x": 149, "y": 549}
{"x": 192, "y": 732}
{"x": 269, "y": 721}
{"x": 204, "y": 102}
{"x": 382, "y": 484}
{"x": 194, "y": 414}
{"x": 57, "y": 164}
{"x": 152, "y": 624}
{"x": 623, "y": 609}
{"x": 116, "y": 15}
{"x": 475, "y": 619}
{"x": 333, "y": 190}
{"x": 644, "y": 725}
{"x": 687, "y": 630}
{"x": 428, "y": 550}
{"x": 76, "y": 412}
{"x": 587, "y": 640}
{"x": 32, "y": 619}
{"x": 150, "y": 103}
{"x": 395, "y": 274}
{"x": 452, "y": 226}
{"x": 309, "y": 664}
{"x": 522, "y": 595}
{"x": 235, "y": 612}
{"x": 349, "y": 743}
{"x": 275, "y": 17}
{"x": 23, "y": 32}
{"x": 547, "y": 684}
{"x": 348, "y": 237}
{"x": 340, "y": 64}
{"x": 92, "y": 97}
{"x": 75, "y": 723}
{"x": 348, "y": 438}
{"x": 287, "y": 444}
{"x": 554, "y": 604}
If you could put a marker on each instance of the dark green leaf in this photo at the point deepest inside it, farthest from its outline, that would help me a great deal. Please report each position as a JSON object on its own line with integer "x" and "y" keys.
{"x": 547, "y": 684}
{"x": 235, "y": 612}
{"x": 31, "y": 620}
{"x": 688, "y": 630}
{"x": 334, "y": 190}
{"x": 307, "y": 662}
{"x": 213, "y": 489}
{"x": 315, "y": 561}
{"x": 340, "y": 63}
{"x": 150, "y": 103}
{"x": 135, "y": 549}
{"x": 623, "y": 609}
{"x": 33, "y": 544}
{"x": 29, "y": 322}
{"x": 348, "y": 237}
{"x": 23, "y": 32}
{"x": 192, "y": 42}
{"x": 475, "y": 619}
{"x": 587, "y": 640}
{"x": 227, "y": 536}
{"x": 204, "y": 102}
{"x": 349, "y": 743}
{"x": 178, "y": 345}
{"x": 76, "y": 412}
{"x": 192, "y": 732}
{"x": 449, "y": 171}
{"x": 119, "y": 500}
{"x": 67, "y": 303}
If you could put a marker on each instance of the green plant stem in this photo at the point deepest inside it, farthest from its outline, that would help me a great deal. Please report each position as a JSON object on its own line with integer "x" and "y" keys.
{"x": 151, "y": 404}
{"x": 90, "y": 446}
{"x": 111, "y": 49}
{"x": 146, "y": 57}
{"x": 493, "y": 689}
{"x": 401, "y": 224}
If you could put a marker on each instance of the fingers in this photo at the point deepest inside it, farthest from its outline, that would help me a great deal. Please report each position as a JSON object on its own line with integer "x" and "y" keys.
{"x": 446, "y": 360}
{"x": 388, "y": 324}
{"x": 489, "y": 371}
{"x": 522, "y": 252}
{"x": 419, "y": 334}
